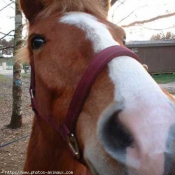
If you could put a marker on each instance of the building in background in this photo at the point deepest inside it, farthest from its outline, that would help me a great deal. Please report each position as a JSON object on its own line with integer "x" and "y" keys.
{"x": 159, "y": 55}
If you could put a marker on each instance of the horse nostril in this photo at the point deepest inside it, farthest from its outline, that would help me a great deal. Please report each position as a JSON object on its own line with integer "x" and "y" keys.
{"x": 139, "y": 141}
{"x": 114, "y": 136}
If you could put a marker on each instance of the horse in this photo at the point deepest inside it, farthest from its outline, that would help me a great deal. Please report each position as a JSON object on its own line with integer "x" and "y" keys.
{"x": 125, "y": 122}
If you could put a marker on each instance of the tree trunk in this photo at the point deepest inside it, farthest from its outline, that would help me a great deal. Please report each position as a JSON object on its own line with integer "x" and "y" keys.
{"x": 16, "y": 118}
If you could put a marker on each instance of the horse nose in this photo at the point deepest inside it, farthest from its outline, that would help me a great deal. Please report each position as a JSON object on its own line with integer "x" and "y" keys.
{"x": 140, "y": 142}
{"x": 116, "y": 135}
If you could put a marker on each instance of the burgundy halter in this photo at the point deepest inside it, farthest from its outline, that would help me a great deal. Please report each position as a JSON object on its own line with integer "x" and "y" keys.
{"x": 67, "y": 129}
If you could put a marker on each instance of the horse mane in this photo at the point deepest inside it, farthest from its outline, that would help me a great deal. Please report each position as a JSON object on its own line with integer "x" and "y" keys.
{"x": 94, "y": 7}
{"x": 22, "y": 55}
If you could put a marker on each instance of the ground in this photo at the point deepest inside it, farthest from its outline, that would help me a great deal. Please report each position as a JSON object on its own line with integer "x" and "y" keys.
{"x": 12, "y": 156}
{"x": 170, "y": 87}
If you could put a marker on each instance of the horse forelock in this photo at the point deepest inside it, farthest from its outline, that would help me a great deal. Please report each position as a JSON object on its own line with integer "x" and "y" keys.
{"x": 22, "y": 55}
{"x": 97, "y": 8}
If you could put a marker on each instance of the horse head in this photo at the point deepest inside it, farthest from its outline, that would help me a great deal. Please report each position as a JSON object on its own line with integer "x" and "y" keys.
{"x": 125, "y": 126}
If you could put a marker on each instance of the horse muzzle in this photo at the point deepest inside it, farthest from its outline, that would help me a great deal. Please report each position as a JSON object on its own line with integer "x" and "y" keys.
{"x": 141, "y": 140}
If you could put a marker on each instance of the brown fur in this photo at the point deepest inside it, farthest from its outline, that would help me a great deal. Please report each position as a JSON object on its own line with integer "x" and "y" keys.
{"x": 59, "y": 66}
{"x": 47, "y": 150}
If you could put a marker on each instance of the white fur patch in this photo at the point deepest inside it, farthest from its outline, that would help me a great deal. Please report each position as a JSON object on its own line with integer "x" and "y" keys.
{"x": 147, "y": 113}
{"x": 131, "y": 80}
{"x": 96, "y": 31}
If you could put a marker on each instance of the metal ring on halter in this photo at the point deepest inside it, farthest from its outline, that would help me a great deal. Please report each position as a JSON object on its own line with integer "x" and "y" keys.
{"x": 72, "y": 142}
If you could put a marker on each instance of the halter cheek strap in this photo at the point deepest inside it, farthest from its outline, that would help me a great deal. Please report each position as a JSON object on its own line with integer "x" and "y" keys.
{"x": 67, "y": 130}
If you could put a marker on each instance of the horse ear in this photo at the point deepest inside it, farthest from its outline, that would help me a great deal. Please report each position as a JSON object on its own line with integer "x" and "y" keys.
{"x": 31, "y": 8}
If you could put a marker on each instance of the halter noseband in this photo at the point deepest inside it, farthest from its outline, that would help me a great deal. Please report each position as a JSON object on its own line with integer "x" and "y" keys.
{"x": 67, "y": 130}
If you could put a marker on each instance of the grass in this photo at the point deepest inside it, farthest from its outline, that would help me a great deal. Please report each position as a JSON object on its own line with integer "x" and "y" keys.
{"x": 164, "y": 78}
{"x": 25, "y": 75}
{"x": 4, "y": 78}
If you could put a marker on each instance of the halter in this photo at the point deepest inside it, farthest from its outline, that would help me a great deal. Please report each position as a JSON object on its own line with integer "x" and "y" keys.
{"x": 67, "y": 129}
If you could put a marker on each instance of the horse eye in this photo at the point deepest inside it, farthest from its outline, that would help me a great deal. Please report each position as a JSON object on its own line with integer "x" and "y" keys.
{"x": 37, "y": 43}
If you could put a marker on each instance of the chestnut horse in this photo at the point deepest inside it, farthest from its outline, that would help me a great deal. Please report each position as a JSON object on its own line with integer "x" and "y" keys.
{"x": 126, "y": 125}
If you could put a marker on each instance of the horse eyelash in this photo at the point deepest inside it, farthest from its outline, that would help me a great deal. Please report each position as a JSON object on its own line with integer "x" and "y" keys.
{"x": 31, "y": 37}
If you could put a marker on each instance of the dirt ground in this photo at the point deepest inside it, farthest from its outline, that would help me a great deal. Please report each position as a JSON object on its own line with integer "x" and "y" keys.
{"x": 170, "y": 87}
{"x": 12, "y": 156}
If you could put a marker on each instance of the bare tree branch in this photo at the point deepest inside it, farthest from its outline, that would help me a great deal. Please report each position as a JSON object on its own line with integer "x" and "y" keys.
{"x": 6, "y": 6}
{"x": 8, "y": 47}
{"x": 149, "y": 20}
{"x": 159, "y": 29}
{"x": 131, "y": 13}
{"x": 7, "y": 34}
{"x": 121, "y": 3}
{"x": 10, "y": 6}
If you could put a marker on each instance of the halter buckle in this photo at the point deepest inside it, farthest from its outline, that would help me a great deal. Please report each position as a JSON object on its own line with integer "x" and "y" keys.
{"x": 72, "y": 141}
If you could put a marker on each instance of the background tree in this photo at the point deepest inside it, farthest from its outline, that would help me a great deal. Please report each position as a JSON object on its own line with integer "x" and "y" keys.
{"x": 149, "y": 20}
{"x": 141, "y": 19}
{"x": 7, "y": 46}
{"x": 16, "y": 118}
{"x": 162, "y": 36}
